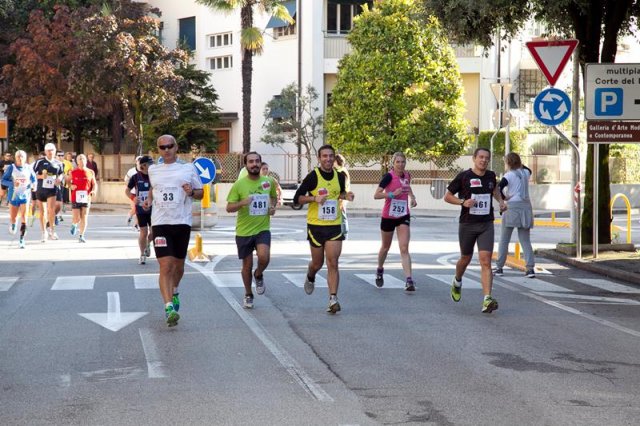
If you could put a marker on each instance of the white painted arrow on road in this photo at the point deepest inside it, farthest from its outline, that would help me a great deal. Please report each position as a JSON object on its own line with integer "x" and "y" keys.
{"x": 114, "y": 320}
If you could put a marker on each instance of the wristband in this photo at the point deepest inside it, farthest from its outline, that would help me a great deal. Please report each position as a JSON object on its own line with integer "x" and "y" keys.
{"x": 391, "y": 195}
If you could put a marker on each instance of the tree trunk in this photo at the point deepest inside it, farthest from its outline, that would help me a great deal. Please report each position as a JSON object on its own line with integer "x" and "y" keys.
{"x": 77, "y": 138}
{"x": 588, "y": 26}
{"x": 246, "y": 16}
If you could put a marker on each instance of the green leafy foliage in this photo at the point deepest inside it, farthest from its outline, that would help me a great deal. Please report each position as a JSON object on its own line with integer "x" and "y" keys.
{"x": 400, "y": 89}
{"x": 517, "y": 141}
{"x": 197, "y": 114}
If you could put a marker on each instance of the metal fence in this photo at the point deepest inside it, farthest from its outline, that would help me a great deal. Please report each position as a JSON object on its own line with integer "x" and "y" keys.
{"x": 362, "y": 169}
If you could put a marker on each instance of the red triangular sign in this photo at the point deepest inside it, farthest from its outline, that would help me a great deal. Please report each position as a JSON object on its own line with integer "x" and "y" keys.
{"x": 552, "y": 56}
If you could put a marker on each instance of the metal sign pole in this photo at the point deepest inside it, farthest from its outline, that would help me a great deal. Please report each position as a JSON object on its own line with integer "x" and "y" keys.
{"x": 577, "y": 220}
{"x": 596, "y": 178}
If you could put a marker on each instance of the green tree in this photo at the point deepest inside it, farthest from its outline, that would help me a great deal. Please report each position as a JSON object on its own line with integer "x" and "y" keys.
{"x": 283, "y": 126}
{"x": 400, "y": 88}
{"x": 596, "y": 24}
{"x": 251, "y": 43}
{"x": 197, "y": 114}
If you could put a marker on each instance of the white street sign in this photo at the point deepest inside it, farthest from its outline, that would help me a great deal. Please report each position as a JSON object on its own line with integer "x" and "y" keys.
{"x": 612, "y": 92}
{"x": 113, "y": 319}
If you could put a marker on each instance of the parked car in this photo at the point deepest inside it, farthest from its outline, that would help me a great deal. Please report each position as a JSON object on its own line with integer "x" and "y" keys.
{"x": 288, "y": 191}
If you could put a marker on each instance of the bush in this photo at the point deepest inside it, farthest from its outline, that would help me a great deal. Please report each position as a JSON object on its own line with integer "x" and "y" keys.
{"x": 517, "y": 142}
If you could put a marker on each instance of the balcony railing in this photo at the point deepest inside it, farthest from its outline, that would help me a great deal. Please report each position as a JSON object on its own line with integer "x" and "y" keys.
{"x": 335, "y": 47}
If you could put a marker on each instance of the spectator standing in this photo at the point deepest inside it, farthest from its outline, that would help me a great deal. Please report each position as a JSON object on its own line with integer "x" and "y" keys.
{"x": 518, "y": 214}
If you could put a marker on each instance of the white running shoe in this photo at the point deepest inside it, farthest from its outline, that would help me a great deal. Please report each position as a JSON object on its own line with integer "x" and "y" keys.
{"x": 13, "y": 228}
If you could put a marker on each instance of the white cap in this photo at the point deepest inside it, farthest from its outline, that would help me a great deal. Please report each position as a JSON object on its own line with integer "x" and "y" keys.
{"x": 50, "y": 147}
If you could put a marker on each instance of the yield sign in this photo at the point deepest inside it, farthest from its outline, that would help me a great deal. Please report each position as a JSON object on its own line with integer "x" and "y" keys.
{"x": 552, "y": 56}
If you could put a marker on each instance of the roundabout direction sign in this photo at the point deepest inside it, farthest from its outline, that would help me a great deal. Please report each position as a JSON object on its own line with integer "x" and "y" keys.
{"x": 552, "y": 106}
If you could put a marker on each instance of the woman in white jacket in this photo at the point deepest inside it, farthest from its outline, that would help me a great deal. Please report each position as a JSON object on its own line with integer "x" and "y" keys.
{"x": 519, "y": 213}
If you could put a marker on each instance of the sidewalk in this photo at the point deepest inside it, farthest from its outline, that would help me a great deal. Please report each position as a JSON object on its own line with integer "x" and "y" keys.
{"x": 618, "y": 265}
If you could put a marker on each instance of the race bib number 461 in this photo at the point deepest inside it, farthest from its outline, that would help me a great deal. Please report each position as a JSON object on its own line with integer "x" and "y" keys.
{"x": 481, "y": 204}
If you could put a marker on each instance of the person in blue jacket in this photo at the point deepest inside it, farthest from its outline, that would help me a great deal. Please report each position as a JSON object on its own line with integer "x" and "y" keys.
{"x": 17, "y": 180}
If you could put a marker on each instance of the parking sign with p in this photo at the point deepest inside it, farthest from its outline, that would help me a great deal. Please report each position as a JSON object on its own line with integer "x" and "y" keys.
{"x": 612, "y": 91}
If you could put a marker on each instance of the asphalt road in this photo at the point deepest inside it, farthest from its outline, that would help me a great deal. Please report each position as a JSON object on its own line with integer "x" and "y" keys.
{"x": 84, "y": 341}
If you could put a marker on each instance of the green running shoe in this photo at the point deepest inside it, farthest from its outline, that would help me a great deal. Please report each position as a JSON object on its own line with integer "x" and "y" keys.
{"x": 456, "y": 290}
{"x": 489, "y": 305}
{"x": 176, "y": 301}
{"x": 172, "y": 316}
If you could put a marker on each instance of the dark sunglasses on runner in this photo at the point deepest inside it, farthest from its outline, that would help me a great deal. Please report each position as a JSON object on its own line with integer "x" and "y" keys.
{"x": 165, "y": 147}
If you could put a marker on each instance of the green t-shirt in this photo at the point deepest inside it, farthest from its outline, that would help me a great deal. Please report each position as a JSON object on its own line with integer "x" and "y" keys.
{"x": 254, "y": 218}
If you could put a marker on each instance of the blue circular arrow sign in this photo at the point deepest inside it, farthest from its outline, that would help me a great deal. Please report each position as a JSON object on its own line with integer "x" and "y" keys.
{"x": 552, "y": 106}
{"x": 206, "y": 169}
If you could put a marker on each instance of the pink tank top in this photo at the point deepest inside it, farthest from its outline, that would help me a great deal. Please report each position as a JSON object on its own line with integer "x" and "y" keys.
{"x": 398, "y": 206}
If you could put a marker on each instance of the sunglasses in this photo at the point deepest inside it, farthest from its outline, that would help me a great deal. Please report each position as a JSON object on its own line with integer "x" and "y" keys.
{"x": 166, "y": 147}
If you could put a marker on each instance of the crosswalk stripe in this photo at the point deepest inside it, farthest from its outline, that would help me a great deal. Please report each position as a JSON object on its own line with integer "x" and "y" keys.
{"x": 7, "y": 282}
{"x": 535, "y": 284}
{"x": 466, "y": 282}
{"x": 81, "y": 282}
{"x": 389, "y": 280}
{"x": 230, "y": 279}
{"x": 614, "y": 300}
{"x": 146, "y": 281}
{"x": 298, "y": 280}
{"x": 607, "y": 285}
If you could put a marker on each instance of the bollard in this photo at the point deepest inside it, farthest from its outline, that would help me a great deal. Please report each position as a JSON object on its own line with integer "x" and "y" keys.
{"x": 206, "y": 196}
{"x": 196, "y": 254}
{"x": 517, "y": 252}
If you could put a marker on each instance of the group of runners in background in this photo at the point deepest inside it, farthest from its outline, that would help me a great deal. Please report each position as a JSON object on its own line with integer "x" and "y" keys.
{"x": 46, "y": 184}
{"x": 161, "y": 195}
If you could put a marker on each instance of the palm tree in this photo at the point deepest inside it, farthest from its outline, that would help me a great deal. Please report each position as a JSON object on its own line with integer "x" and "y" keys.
{"x": 251, "y": 43}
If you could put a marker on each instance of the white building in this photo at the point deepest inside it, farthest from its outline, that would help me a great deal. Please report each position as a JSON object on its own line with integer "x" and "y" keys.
{"x": 323, "y": 25}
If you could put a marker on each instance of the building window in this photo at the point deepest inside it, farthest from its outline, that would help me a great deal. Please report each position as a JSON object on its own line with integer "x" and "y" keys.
{"x": 187, "y": 32}
{"x": 289, "y": 30}
{"x": 220, "y": 40}
{"x": 221, "y": 62}
{"x": 340, "y": 14}
{"x": 531, "y": 82}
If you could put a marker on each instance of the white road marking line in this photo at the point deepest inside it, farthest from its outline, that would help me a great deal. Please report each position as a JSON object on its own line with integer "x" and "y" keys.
{"x": 565, "y": 308}
{"x": 231, "y": 279}
{"x": 298, "y": 280}
{"x": 286, "y": 360}
{"x": 7, "y": 282}
{"x": 81, "y": 282}
{"x": 535, "y": 284}
{"x": 146, "y": 281}
{"x": 607, "y": 285}
{"x": 155, "y": 367}
{"x": 466, "y": 282}
{"x": 585, "y": 315}
{"x": 389, "y": 280}
{"x": 65, "y": 380}
{"x": 616, "y": 300}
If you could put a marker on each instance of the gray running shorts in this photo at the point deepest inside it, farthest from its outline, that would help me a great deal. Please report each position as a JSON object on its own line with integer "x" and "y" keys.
{"x": 471, "y": 233}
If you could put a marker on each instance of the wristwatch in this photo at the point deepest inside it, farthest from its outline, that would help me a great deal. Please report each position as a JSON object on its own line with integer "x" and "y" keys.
{"x": 462, "y": 201}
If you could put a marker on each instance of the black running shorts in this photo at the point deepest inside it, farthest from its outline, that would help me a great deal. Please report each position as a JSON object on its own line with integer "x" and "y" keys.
{"x": 171, "y": 240}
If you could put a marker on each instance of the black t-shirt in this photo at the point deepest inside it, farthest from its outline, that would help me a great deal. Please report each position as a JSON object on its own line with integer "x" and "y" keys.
{"x": 311, "y": 182}
{"x": 469, "y": 185}
{"x": 53, "y": 167}
{"x": 140, "y": 181}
